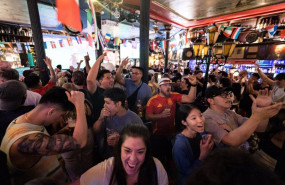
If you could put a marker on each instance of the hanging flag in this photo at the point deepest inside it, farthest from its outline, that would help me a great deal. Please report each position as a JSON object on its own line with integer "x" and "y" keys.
{"x": 78, "y": 40}
{"x": 212, "y": 28}
{"x": 86, "y": 37}
{"x": 10, "y": 45}
{"x": 2, "y": 45}
{"x": 163, "y": 44}
{"x": 89, "y": 27}
{"x": 95, "y": 24}
{"x": 52, "y": 43}
{"x": 271, "y": 30}
{"x": 220, "y": 28}
{"x": 45, "y": 45}
{"x": 27, "y": 46}
{"x": 153, "y": 45}
{"x": 102, "y": 40}
{"x": 235, "y": 33}
{"x": 19, "y": 46}
{"x": 68, "y": 13}
{"x": 228, "y": 31}
{"x": 123, "y": 41}
{"x": 117, "y": 41}
{"x": 61, "y": 43}
{"x": 69, "y": 40}
{"x": 282, "y": 34}
{"x": 107, "y": 37}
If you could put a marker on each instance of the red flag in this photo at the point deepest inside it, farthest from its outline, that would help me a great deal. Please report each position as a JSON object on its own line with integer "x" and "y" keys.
{"x": 52, "y": 43}
{"x": 68, "y": 13}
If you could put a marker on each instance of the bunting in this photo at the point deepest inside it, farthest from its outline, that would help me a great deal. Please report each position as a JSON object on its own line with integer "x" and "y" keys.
{"x": 68, "y": 13}
{"x": 61, "y": 43}
{"x": 2, "y": 45}
{"x": 45, "y": 45}
{"x": 89, "y": 27}
{"x": 107, "y": 37}
{"x": 78, "y": 40}
{"x": 163, "y": 44}
{"x": 220, "y": 28}
{"x": 212, "y": 28}
{"x": 69, "y": 41}
{"x": 271, "y": 30}
{"x": 117, "y": 41}
{"x": 95, "y": 24}
{"x": 52, "y": 43}
{"x": 153, "y": 45}
{"x": 235, "y": 33}
{"x": 228, "y": 31}
{"x": 10, "y": 45}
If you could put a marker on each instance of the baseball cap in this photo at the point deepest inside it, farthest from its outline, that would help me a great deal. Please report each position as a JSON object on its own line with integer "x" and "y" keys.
{"x": 163, "y": 81}
{"x": 214, "y": 91}
{"x": 12, "y": 94}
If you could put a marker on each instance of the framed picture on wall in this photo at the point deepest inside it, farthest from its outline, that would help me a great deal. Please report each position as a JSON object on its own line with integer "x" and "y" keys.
{"x": 238, "y": 53}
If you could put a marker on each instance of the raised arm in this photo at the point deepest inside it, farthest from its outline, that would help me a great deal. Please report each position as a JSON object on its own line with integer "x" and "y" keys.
{"x": 78, "y": 65}
{"x": 92, "y": 75}
{"x": 80, "y": 130}
{"x": 118, "y": 76}
{"x": 87, "y": 65}
{"x": 97, "y": 126}
{"x": 47, "y": 60}
{"x": 190, "y": 98}
{"x": 264, "y": 77}
{"x": 257, "y": 122}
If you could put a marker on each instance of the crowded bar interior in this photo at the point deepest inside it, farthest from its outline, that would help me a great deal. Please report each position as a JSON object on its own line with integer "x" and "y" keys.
{"x": 142, "y": 92}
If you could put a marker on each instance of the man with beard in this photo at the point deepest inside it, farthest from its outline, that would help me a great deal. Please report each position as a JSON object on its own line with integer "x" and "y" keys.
{"x": 161, "y": 110}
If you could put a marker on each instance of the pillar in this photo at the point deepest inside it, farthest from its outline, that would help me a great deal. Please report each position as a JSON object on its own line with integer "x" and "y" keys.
{"x": 144, "y": 37}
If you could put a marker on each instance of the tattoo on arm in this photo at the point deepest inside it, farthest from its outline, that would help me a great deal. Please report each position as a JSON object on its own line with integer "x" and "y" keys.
{"x": 41, "y": 144}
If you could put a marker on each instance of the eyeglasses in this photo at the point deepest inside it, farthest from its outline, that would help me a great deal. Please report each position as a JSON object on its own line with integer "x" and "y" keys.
{"x": 226, "y": 94}
{"x": 135, "y": 73}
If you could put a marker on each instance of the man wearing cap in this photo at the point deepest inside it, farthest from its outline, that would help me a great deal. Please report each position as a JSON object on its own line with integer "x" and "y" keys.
{"x": 136, "y": 90}
{"x": 161, "y": 110}
{"x": 231, "y": 129}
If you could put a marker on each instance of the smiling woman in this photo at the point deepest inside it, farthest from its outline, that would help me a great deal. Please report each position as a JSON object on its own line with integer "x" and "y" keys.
{"x": 132, "y": 164}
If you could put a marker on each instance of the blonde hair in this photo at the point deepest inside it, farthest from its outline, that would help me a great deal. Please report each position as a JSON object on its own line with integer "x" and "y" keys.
{"x": 61, "y": 81}
{"x": 69, "y": 87}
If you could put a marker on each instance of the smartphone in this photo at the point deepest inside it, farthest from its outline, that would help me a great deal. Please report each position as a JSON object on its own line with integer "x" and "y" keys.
{"x": 205, "y": 138}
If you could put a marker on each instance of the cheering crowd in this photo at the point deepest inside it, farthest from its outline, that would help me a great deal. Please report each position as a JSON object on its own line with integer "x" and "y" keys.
{"x": 95, "y": 126}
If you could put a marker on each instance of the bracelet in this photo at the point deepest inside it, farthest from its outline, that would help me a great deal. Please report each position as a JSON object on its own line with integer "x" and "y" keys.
{"x": 193, "y": 85}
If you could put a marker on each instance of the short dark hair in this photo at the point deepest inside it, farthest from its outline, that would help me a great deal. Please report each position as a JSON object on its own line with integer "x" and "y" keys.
{"x": 101, "y": 74}
{"x": 78, "y": 78}
{"x": 56, "y": 95}
{"x": 139, "y": 68}
{"x": 213, "y": 78}
{"x": 9, "y": 74}
{"x": 197, "y": 72}
{"x": 27, "y": 72}
{"x": 187, "y": 71}
{"x": 232, "y": 166}
{"x": 148, "y": 173}
{"x": 116, "y": 95}
{"x": 32, "y": 80}
{"x": 226, "y": 82}
{"x": 280, "y": 76}
{"x": 256, "y": 75}
{"x": 59, "y": 67}
{"x": 187, "y": 82}
{"x": 223, "y": 73}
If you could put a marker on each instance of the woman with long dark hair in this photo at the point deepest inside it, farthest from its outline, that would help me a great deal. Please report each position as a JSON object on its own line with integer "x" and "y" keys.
{"x": 132, "y": 164}
{"x": 189, "y": 148}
